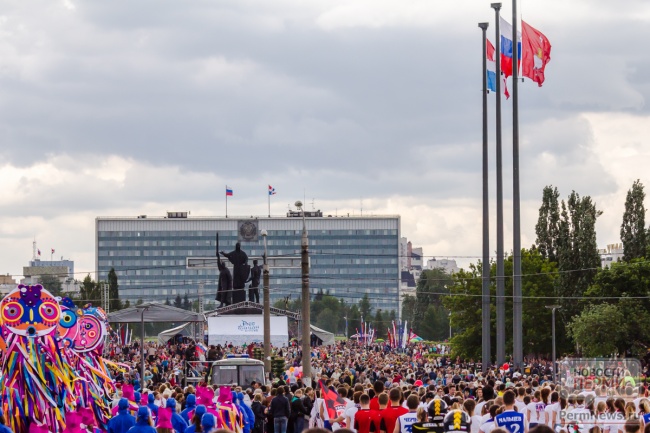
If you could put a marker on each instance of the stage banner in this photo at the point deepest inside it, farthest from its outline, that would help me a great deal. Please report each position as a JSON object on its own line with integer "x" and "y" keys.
{"x": 246, "y": 329}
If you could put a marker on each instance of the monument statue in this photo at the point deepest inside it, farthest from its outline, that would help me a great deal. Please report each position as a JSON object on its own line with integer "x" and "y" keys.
{"x": 240, "y": 272}
{"x": 253, "y": 289}
{"x": 224, "y": 288}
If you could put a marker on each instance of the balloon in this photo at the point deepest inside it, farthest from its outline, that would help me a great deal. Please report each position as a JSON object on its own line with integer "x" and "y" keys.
{"x": 506, "y": 367}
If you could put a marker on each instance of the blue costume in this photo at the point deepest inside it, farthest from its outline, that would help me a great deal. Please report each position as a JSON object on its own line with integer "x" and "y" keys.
{"x": 123, "y": 421}
{"x": 247, "y": 410}
{"x": 200, "y": 410}
{"x": 207, "y": 422}
{"x": 190, "y": 405}
{"x": 142, "y": 424}
{"x": 178, "y": 422}
{"x": 151, "y": 405}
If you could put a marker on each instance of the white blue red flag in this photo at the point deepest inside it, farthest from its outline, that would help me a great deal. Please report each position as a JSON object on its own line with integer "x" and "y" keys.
{"x": 507, "y": 46}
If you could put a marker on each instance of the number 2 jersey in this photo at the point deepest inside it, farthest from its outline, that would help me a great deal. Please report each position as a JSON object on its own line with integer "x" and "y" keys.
{"x": 511, "y": 420}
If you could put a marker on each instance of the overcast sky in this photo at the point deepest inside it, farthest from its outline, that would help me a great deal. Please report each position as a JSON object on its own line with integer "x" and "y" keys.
{"x": 140, "y": 107}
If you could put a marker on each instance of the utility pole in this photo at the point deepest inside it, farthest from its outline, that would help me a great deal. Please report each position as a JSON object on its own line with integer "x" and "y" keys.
{"x": 553, "y": 357}
{"x": 306, "y": 328}
{"x": 199, "y": 326}
{"x": 267, "y": 310}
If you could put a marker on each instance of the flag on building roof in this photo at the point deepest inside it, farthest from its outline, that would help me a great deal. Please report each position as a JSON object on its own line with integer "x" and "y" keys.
{"x": 39, "y": 252}
{"x": 228, "y": 191}
{"x": 271, "y": 190}
{"x": 536, "y": 53}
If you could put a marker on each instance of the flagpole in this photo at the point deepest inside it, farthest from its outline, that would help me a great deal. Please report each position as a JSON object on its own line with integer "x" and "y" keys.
{"x": 500, "y": 301}
{"x": 226, "y": 201}
{"x": 269, "y": 198}
{"x": 517, "y": 333}
{"x": 485, "y": 291}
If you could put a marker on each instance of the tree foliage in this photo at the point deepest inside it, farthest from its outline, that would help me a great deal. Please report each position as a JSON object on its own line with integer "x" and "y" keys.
{"x": 548, "y": 224}
{"x": 51, "y": 283}
{"x": 599, "y": 330}
{"x": 633, "y": 230}
{"x": 90, "y": 292}
{"x": 113, "y": 291}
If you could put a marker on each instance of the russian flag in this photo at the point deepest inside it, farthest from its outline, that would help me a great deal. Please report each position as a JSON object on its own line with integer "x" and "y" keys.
{"x": 506, "y": 47}
{"x": 228, "y": 191}
{"x": 491, "y": 68}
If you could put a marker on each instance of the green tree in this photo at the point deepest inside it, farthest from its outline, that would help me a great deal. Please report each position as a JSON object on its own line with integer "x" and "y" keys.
{"x": 178, "y": 301}
{"x": 364, "y": 307}
{"x": 51, "y": 283}
{"x": 187, "y": 305}
{"x": 113, "y": 291}
{"x": 600, "y": 330}
{"x": 127, "y": 304}
{"x": 408, "y": 309}
{"x": 431, "y": 287}
{"x": 435, "y": 326}
{"x": 168, "y": 302}
{"x": 464, "y": 302}
{"x": 90, "y": 292}
{"x": 548, "y": 224}
{"x": 379, "y": 324}
{"x": 327, "y": 320}
{"x": 633, "y": 231}
{"x": 578, "y": 258}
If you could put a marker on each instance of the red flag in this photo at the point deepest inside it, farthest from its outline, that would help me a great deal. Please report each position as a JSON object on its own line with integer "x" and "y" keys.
{"x": 536, "y": 53}
{"x": 333, "y": 402}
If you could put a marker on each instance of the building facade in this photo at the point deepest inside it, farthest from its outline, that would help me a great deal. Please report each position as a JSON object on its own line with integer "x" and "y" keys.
{"x": 349, "y": 256}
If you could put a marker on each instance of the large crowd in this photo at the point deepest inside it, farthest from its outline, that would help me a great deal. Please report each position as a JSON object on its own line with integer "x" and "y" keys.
{"x": 368, "y": 389}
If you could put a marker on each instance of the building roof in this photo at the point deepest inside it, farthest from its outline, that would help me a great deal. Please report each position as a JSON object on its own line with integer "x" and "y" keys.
{"x": 154, "y": 312}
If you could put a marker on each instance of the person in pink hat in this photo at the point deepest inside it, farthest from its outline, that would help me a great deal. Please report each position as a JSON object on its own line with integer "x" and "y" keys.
{"x": 164, "y": 421}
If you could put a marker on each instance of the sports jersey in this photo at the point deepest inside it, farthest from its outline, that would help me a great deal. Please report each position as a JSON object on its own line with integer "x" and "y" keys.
{"x": 457, "y": 421}
{"x": 406, "y": 421}
{"x": 364, "y": 421}
{"x": 389, "y": 418}
{"x": 511, "y": 420}
{"x": 437, "y": 411}
{"x": 537, "y": 414}
{"x": 374, "y": 403}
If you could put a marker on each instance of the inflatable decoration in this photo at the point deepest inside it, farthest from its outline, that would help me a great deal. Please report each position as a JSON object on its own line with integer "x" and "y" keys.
{"x": 35, "y": 384}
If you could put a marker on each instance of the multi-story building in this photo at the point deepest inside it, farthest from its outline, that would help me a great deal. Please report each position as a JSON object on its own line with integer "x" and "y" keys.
{"x": 613, "y": 253}
{"x": 349, "y": 256}
{"x": 448, "y": 265}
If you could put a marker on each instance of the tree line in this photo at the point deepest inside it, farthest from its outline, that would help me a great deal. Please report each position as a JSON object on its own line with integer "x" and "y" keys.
{"x": 603, "y": 310}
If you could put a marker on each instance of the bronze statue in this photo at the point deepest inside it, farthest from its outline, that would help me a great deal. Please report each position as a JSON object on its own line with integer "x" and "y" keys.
{"x": 253, "y": 289}
{"x": 240, "y": 272}
{"x": 224, "y": 289}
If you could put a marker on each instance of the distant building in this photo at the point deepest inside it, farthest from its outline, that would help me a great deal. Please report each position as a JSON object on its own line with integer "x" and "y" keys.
{"x": 7, "y": 284}
{"x": 349, "y": 256}
{"x": 613, "y": 253}
{"x": 62, "y": 269}
{"x": 449, "y": 265}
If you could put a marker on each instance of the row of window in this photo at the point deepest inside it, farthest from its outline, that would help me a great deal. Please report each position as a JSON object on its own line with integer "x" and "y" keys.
{"x": 337, "y": 257}
{"x": 227, "y": 235}
{"x": 211, "y": 244}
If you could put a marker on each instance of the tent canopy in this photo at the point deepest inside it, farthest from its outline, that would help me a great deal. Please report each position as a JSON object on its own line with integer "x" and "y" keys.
{"x": 167, "y": 335}
{"x": 154, "y": 312}
{"x": 326, "y": 337}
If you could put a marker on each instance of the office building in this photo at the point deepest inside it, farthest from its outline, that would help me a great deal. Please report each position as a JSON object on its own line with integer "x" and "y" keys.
{"x": 349, "y": 256}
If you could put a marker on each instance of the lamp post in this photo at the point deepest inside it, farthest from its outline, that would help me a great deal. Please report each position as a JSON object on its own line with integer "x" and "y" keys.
{"x": 553, "y": 308}
{"x": 267, "y": 309}
{"x": 306, "y": 334}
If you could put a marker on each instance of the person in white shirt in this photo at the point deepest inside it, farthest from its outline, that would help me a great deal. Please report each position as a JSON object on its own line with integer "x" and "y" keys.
{"x": 489, "y": 425}
{"x": 535, "y": 410}
{"x": 351, "y": 409}
{"x": 552, "y": 410}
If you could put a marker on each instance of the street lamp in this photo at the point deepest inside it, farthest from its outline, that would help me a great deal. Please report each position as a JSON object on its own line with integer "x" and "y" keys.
{"x": 267, "y": 309}
{"x": 553, "y": 308}
{"x": 306, "y": 329}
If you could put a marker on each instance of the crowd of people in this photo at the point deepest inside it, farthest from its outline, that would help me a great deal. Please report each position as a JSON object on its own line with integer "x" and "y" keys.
{"x": 369, "y": 389}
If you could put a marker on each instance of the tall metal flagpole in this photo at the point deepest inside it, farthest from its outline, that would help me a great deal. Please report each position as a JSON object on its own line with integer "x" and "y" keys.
{"x": 485, "y": 292}
{"x": 517, "y": 333}
{"x": 226, "y": 205}
{"x": 501, "y": 289}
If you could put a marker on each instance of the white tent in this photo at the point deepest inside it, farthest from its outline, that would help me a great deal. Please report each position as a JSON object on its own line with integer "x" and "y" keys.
{"x": 167, "y": 335}
{"x": 326, "y": 337}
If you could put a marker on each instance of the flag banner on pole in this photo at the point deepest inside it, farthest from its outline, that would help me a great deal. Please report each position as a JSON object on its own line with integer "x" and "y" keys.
{"x": 491, "y": 68}
{"x": 228, "y": 191}
{"x": 271, "y": 190}
{"x": 536, "y": 53}
{"x": 492, "y": 71}
{"x": 52, "y": 250}
{"x": 506, "y": 47}
{"x": 39, "y": 252}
